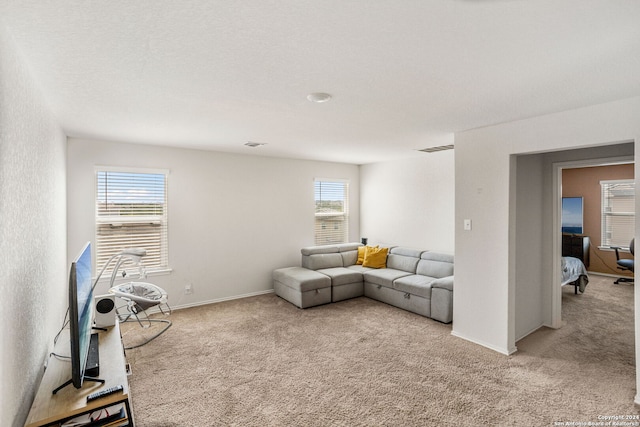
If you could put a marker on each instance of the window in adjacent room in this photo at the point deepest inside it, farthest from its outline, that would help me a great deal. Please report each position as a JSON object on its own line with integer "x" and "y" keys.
{"x": 618, "y": 212}
{"x": 131, "y": 212}
{"x": 332, "y": 211}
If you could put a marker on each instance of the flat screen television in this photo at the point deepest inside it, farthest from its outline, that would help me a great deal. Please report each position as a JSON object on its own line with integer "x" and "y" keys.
{"x": 80, "y": 316}
{"x": 572, "y": 215}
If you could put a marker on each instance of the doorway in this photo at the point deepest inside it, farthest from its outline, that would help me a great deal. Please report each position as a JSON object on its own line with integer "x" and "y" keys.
{"x": 535, "y": 237}
{"x": 592, "y": 226}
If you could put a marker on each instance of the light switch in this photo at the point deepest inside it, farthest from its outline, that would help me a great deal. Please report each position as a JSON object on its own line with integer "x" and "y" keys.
{"x": 467, "y": 225}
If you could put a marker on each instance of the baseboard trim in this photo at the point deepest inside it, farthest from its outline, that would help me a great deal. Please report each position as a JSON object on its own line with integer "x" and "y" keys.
{"x": 526, "y": 334}
{"x": 613, "y": 276}
{"x": 505, "y": 351}
{"x": 217, "y": 300}
{"x": 213, "y": 301}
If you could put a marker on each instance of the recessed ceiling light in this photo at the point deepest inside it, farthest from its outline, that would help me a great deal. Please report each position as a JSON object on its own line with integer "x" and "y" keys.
{"x": 318, "y": 97}
{"x": 254, "y": 144}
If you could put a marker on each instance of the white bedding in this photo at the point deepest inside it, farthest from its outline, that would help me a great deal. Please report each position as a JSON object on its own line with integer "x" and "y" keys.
{"x": 574, "y": 273}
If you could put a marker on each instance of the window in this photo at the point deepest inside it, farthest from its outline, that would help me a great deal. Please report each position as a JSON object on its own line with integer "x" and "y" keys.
{"x": 131, "y": 212}
{"x": 618, "y": 212}
{"x": 332, "y": 211}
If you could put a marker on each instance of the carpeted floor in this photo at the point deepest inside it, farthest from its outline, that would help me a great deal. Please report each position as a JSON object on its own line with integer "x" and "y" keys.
{"x": 260, "y": 361}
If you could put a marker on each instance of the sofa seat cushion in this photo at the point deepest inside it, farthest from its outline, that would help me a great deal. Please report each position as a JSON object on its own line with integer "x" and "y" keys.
{"x": 415, "y": 284}
{"x": 384, "y": 276}
{"x": 342, "y": 276}
{"x": 301, "y": 279}
{"x": 359, "y": 268}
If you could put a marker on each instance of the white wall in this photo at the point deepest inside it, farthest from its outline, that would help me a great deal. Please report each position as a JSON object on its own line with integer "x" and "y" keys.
{"x": 484, "y": 301}
{"x": 33, "y": 268}
{"x": 409, "y": 202}
{"x": 529, "y": 276}
{"x": 232, "y": 218}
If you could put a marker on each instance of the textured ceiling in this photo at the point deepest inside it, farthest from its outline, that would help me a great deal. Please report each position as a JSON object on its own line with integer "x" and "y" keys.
{"x": 404, "y": 75}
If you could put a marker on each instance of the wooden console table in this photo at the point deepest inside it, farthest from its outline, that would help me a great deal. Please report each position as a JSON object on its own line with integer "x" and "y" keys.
{"x": 53, "y": 409}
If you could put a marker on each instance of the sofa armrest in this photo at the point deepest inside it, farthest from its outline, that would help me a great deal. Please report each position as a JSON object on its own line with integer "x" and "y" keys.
{"x": 442, "y": 299}
{"x": 443, "y": 283}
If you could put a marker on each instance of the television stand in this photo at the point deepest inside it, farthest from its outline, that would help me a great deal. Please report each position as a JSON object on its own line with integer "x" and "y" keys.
{"x": 97, "y": 380}
{"x": 92, "y": 368}
{"x": 70, "y": 402}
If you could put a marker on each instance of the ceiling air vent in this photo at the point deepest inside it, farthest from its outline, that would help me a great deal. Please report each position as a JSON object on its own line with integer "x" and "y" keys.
{"x": 436, "y": 149}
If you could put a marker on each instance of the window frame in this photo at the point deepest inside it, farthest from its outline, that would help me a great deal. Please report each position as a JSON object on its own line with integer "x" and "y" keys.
{"x": 100, "y": 255}
{"x": 606, "y": 235}
{"x": 319, "y": 237}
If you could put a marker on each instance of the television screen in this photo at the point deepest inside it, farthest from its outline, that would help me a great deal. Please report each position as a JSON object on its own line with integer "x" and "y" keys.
{"x": 80, "y": 313}
{"x": 572, "y": 215}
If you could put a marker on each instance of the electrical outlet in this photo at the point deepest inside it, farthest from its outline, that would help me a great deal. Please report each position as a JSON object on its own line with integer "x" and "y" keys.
{"x": 188, "y": 289}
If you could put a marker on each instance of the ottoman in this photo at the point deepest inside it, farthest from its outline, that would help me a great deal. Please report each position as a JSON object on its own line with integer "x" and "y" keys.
{"x": 302, "y": 287}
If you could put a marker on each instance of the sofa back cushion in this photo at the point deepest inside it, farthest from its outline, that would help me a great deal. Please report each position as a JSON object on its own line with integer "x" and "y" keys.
{"x": 329, "y": 256}
{"x": 319, "y": 261}
{"x": 349, "y": 253}
{"x": 345, "y": 247}
{"x": 322, "y": 249}
{"x": 435, "y": 264}
{"x": 349, "y": 258}
{"x": 405, "y": 259}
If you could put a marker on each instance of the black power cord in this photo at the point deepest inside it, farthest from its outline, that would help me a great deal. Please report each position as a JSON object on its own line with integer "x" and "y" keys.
{"x": 595, "y": 253}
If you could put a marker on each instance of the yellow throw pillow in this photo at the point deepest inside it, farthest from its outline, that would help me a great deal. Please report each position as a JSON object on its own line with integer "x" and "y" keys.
{"x": 375, "y": 257}
{"x": 361, "y": 250}
{"x": 361, "y": 253}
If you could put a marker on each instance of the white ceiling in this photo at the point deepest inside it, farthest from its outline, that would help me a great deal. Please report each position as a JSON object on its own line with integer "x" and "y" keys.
{"x": 404, "y": 75}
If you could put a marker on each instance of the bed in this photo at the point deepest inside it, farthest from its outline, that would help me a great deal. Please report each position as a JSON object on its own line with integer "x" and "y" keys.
{"x": 574, "y": 273}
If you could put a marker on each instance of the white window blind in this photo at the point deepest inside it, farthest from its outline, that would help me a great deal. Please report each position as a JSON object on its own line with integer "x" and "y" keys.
{"x": 618, "y": 212}
{"x": 131, "y": 212}
{"x": 332, "y": 211}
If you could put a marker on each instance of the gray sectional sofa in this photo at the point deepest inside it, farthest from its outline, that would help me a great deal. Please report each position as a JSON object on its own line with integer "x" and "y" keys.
{"x": 419, "y": 281}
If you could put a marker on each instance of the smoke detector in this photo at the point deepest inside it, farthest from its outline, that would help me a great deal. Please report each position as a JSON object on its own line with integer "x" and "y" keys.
{"x": 318, "y": 97}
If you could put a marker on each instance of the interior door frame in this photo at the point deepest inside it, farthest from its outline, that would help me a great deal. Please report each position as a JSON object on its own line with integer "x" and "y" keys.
{"x": 556, "y": 299}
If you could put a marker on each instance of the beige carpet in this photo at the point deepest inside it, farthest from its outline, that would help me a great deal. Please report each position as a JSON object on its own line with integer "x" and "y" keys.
{"x": 261, "y": 361}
